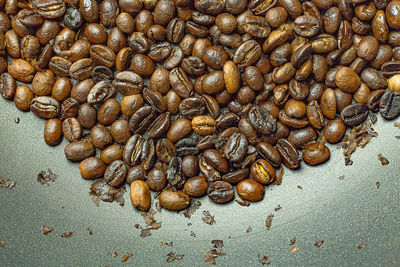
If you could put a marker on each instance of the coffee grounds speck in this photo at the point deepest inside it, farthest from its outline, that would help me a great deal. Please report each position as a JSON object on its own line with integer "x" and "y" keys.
{"x": 171, "y": 256}
{"x": 126, "y": 257}
{"x": 242, "y": 202}
{"x": 45, "y": 178}
{"x": 361, "y": 245}
{"x": 188, "y": 212}
{"x": 292, "y": 241}
{"x": 2, "y": 244}
{"x": 89, "y": 228}
{"x": 66, "y": 234}
{"x": 7, "y": 183}
{"x": 208, "y": 218}
{"x": 268, "y": 221}
{"x": 377, "y": 184}
{"x": 319, "y": 243}
{"x": 113, "y": 254}
{"x": 341, "y": 177}
{"x": 294, "y": 249}
{"x": 264, "y": 259}
{"x": 384, "y": 161}
{"x": 278, "y": 208}
{"x": 249, "y": 229}
{"x": 46, "y": 229}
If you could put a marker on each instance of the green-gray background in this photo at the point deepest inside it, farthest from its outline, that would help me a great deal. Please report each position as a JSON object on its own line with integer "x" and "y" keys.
{"x": 343, "y": 213}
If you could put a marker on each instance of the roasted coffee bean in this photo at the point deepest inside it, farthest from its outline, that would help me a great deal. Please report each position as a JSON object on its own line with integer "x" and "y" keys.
{"x": 120, "y": 131}
{"x": 247, "y": 53}
{"x": 328, "y": 103}
{"x": 92, "y": 168}
{"x": 132, "y": 150}
{"x": 190, "y": 166}
{"x": 203, "y": 125}
{"x": 128, "y": 83}
{"x": 174, "y": 59}
{"x": 180, "y": 82}
{"x": 250, "y": 190}
{"x": 87, "y": 116}
{"x": 347, "y": 80}
{"x": 141, "y": 119}
{"x": 179, "y": 129}
{"x": 138, "y": 42}
{"x": 262, "y": 120}
{"x": 208, "y": 171}
{"x": 334, "y": 131}
{"x": 268, "y": 152}
{"x": 389, "y": 69}
{"x": 101, "y": 73}
{"x": 111, "y": 153}
{"x": 159, "y": 126}
{"x": 140, "y": 195}
{"x": 193, "y": 66}
{"x": 374, "y": 99}
{"x": 221, "y": 192}
{"x": 81, "y": 69}
{"x": 392, "y": 14}
{"x": 148, "y": 154}
{"x": 165, "y": 150}
{"x": 174, "y": 200}
{"x": 155, "y": 99}
{"x": 300, "y": 137}
{"x": 192, "y": 107}
{"x": 262, "y": 171}
{"x": 45, "y": 107}
{"x": 8, "y": 86}
{"x": 315, "y": 153}
{"x": 115, "y": 173}
{"x": 236, "y": 176}
{"x": 289, "y": 154}
{"x": 315, "y": 115}
{"x": 142, "y": 64}
{"x": 52, "y": 132}
{"x": 160, "y": 51}
{"x": 136, "y": 173}
{"x": 216, "y": 160}
{"x": 159, "y": 81}
{"x": 373, "y": 79}
{"x": 196, "y": 186}
{"x": 354, "y": 114}
{"x": 21, "y": 70}
{"x": 236, "y": 147}
{"x": 100, "y": 92}
{"x": 100, "y": 136}
{"x": 276, "y": 16}
{"x": 79, "y": 150}
{"x": 389, "y": 105}
{"x": 156, "y": 179}
{"x": 71, "y": 129}
{"x": 306, "y": 26}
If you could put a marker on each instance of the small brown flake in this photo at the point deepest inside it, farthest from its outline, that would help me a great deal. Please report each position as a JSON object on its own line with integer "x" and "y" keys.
{"x": 126, "y": 257}
{"x": 378, "y": 184}
{"x": 384, "y": 161}
{"x": 111, "y": 194}
{"x": 249, "y": 229}
{"x": 299, "y": 187}
{"x": 151, "y": 223}
{"x": 278, "y": 208}
{"x": 208, "y": 218}
{"x": 209, "y": 258}
{"x": 341, "y": 177}
{"x": 45, "y": 178}
{"x": 170, "y": 243}
{"x": 46, "y": 229}
{"x": 188, "y": 212}
{"x": 279, "y": 174}
{"x": 113, "y": 254}
{"x": 348, "y": 162}
{"x": 89, "y": 230}
{"x": 264, "y": 259}
{"x": 319, "y": 243}
{"x": 17, "y": 120}
{"x": 171, "y": 256}
{"x": 396, "y": 124}
{"x": 243, "y": 202}
{"x": 66, "y": 234}
{"x": 361, "y": 245}
{"x": 397, "y": 137}
{"x": 193, "y": 234}
{"x": 268, "y": 221}
{"x": 294, "y": 249}
{"x": 292, "y": 241}
{"x": 7, "y": 183}
{"x": 2, "y": 244}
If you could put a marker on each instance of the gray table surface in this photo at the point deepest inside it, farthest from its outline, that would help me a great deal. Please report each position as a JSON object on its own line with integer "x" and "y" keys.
{"x": 343, "y": 213}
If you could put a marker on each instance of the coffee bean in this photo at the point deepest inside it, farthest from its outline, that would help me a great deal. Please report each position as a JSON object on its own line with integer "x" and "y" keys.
{"x": 174, "y": 200}
{"x": 111, "y": 153}
{"x": 389, "y": 105}
{"x": 262, "y": 120}
{"x": 71, "y": 129}
{"x": 140, "y": 195}
{"x": 92, "y": 168}
{"x": 354, "y": 114}
{"x": 220, "y": 192}
{"x": 334, "y": 131}
{"x": 141, "y": 119}
{"x": 52, "y": 132}
{"x": 115, "y": 173}
{"x": 236, "y": 147}
{"x": 156, "y": 179}
{"x": 45, "y": 107}
{"x": 132, "y": 150}
{"x": 289, "y": 154}
{"x": 79, "y": 150}
{"x": 315, "y": 153}
{"x": 196, "y": 186}
{"x": 128, "y": 83}
{"x": 181, "y": 83}
{"x": 203, "y": 125}
{"x": 250, "y": 190}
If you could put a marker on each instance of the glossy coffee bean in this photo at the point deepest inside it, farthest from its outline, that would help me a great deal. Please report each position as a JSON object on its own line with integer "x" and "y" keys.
{"x": 156, "y": 179}
{"x": 262, "y": 171}
{"x": 221, "y": 192}
{"x": 250, "y": 190}
{"x": 389, "y": 105}
{"x": 334, "y": 131}
{"x": 92, "y": 168}
{"x": 45, "y": 107}
{"x": 111, "y": 153}
{"x": 79, "y": 150}
{"x": 136, "y": 173}
{"x": 115, "y": 173}
{"x": 140, "y": 195}
{"x": 190, "y": 166}
{"x": 315, "y": 153}
{"x": 52, "y": 132}
{"x": 354, "y": 114}
{"x": 71, "y": 129}
{"x": 289, "y": 154}
{"x": 300, "y": 137}
{"x": 174, "y": 200}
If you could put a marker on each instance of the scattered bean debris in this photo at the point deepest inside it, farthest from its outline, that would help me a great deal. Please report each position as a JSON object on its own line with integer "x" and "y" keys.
{"x": 46, "y": 229}
{"x": 2, "y": 244}
{"x": 109, "y": 195}
{"x": 361, "y": 245}
{"x": 7, "y": 183}
{"x": 193, "y": 234}
{"x": 151, "y": 223}
{"x": 268, "y": 221}
{"x": 67, "y": 234}
{"x": 299, "y": 187}
{"x": 378, "y": 184}
{"x": 396, "y": 124}
{"x": 114, "y": 254}
{"x": 359, "y": 136}
{"x": 211, "y": 255}
{"x": 171, "y": 256}
{"x": 397, "y": 137}
{"x": 348, "y": 162}
{"x": 243, "y": 202}
{"x": 341, "y": 177}
{"x": 278, "y": 208}
{"x": 126, "y": 257}
{"x": 249, "y": 229}
{"x": 158, "y": 206}
{"x": 384, "y": 161}
{"x": 170, "y": 243}
{"x": 188, "y": 212}
{"x": 45, "y": 178}
{"x": 319, "y": 243}
{"x": 292, "y": 241}
{"x": 189, "y": 224}
{"x": 294, "y": 249}
{"x": 89, "y": 230}
{"x": 264, "y": 259}
{"x": 279, "y": 174}
{"x": 17, "y": 120}
{"x": 208, "y": 218}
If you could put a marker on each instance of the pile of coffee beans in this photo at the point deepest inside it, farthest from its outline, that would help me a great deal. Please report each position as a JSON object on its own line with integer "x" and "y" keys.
{"x": 192, "y": 98}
